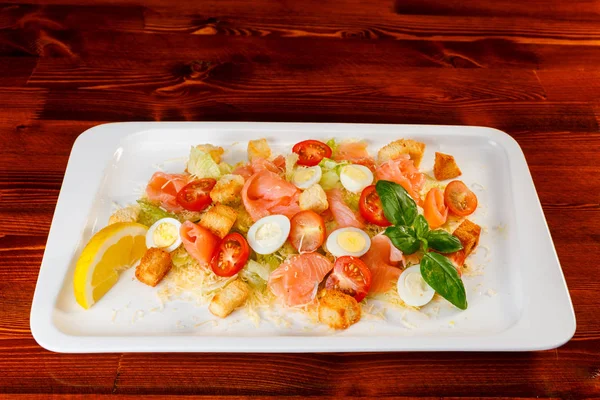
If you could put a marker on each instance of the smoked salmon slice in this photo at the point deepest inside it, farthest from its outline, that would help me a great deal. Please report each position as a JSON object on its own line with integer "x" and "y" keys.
{"x": 260, "y": 164}
{"x": 384, "y": 260}
{"x": 163, "y": 189}
{"x": 402, "y": 171}
{"x": 342, "y": 214}
{"x": 199, "y": 242}
{"x": 266, "y": 193}
{"x": 296, "y": 280}
{"x": 355, "y": 152}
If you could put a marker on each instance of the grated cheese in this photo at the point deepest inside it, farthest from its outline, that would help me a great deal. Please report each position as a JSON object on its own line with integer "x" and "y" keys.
{"x": 188, "y": 281}
{"x": 210, "y": 321}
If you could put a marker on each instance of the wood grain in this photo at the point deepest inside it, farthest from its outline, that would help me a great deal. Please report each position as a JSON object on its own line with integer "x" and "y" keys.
{"x": 529, "y": 68}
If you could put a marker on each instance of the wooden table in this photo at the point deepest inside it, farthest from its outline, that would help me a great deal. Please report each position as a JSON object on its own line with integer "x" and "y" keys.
{"x": 530, "y": 68}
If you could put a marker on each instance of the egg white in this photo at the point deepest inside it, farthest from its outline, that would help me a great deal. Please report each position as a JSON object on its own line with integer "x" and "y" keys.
{"x": 413, "y": 295}
{"x": 279, "y": 231}
{"x": 351, "y": 183}
{"x": 317, "y": 173}
{"x": 150, "y": 234}
{"x": 334, "y": 247}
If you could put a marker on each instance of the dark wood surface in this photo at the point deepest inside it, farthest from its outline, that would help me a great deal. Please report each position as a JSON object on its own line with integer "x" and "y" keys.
{"x": 530, "y": 68}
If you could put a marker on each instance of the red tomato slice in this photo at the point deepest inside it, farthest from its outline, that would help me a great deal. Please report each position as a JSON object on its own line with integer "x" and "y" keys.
{"x": 459, "y": 199}
{"x": 370, "y": 207}
{"x": 195, "y": 196}
{"x": 434, "y": 209}
{"x": 307, "y": 232}
{"x": 231, "y": 255}
{"x": 351, "y": 276}
{"x": 311, "y": 152}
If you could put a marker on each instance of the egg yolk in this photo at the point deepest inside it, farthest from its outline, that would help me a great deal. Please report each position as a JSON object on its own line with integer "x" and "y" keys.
{"x": 415, "y": 284}
{"x": 268, "y": 234}
{"x": 304, "y": 175}
{"x": 351, "y": 242}
{"x": 355, "y": 173}
{"x": 165, "y": 235}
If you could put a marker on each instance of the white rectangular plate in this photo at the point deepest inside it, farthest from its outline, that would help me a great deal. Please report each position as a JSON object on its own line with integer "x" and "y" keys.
{"x": 518, "y": 299}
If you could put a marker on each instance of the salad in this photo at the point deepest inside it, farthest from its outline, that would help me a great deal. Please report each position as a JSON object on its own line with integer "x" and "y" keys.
{"x": 322, "y": 229}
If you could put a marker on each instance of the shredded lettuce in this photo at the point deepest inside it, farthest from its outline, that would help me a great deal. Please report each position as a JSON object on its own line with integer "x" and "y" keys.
{"x": 149, "y": 213}
{"x": 202, "y": 165}
{"x": 285, "y": 251}
{"x": 351, "y": 200}
{"x": 268, "y": 259}
{"x": 332, "y": 145}
{"x": 225, "y": 168}
{"x": 330, "y": 178}
{"x": 256, "y": 274}
{"x": 244, "y": 221}
{"x": 290, "y": 162}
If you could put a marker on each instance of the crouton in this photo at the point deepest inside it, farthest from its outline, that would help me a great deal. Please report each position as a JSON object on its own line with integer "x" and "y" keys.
{"x": 214, "y": 151}
{"x": 314, "y": 198}
{"x": 229, "y": 298}
{"x": 411, "y": 147}
{"x": 219, "y": 220}
{"x": 127, "y": 214}
{"x": 445, "y": 167}
{"x": 244, "y": 220}
{"x": 258, "y": 148}
{"x": 227, "y": 190}
{"x": 337, "y": 309}
{"x": 468, "y": 233}
{"x": 154, "y": 266}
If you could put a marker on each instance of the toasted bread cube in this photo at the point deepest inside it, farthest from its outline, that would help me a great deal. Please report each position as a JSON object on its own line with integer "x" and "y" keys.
{"x": 219, "y": 220}
{"x": 258, "y": 148}
{"x": 414, "y": 149}
{"x": 229, "y": 298}
{"x": 314, "y": 198}
{"x": 127, "y": 214}
{"x": 337, "y": 309}
{"x": 215, "y": 151}
{"x": 227, "y": 190}
{"x": 153, "y": 267}
{"x": 244, "y": 221}
{"x": 468, "y": 233}
{"x": 445, "y": 167}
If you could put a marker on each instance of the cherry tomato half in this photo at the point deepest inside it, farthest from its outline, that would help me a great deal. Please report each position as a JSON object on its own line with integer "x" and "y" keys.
{"x": 231, "y": 255}
{"x": 311, "y": 152}
{"x": 370, "y": 207}
{"x": 351, "y": 276}
{"x": 459, "y": 199}
{"x": 307, "y": 232}
{"x": 195, "y": 196}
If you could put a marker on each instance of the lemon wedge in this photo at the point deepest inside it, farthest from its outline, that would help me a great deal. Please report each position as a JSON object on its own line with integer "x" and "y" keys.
{"x": 110, "y": 251}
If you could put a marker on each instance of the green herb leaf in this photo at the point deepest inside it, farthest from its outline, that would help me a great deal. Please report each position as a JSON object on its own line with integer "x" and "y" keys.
{"x": 421, "y": 227}
{"x": 398, "y": 207}
{"x": 149, "y": 213}
{"x": 403, "y": 238}
{"x": 440, "y": 274}
{"x": 443, "y": 242}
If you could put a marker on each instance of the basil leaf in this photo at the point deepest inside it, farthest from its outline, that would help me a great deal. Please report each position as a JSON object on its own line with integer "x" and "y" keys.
{"x": 440, "y": 274}
{"x": 398, "y": 207}
{"x": 421, "y": 227}
{"x": 403, "y": 238}
{"x": 443, "y": 242}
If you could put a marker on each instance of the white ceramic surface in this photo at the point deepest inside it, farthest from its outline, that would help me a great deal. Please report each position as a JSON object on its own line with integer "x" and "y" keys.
{"x": 518, "y": 299}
